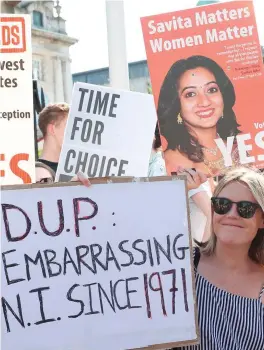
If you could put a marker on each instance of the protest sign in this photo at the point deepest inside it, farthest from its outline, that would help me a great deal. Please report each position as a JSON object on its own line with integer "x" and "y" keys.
{"x": 105, "y": 267}
{"x": 207, "y": 78}
{"x": 109, "y": 133}
{"x": 17, "y": 152}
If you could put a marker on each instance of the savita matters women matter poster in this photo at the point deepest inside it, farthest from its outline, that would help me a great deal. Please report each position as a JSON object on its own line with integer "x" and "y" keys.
{"x": 207, "y": 74}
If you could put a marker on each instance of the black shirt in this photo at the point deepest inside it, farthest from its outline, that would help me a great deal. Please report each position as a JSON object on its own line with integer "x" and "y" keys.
{"x": 52, "y": 165}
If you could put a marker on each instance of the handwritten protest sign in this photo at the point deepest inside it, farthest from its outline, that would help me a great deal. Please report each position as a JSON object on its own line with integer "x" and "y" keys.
{"x": 109, "y": 133}
{"x": 17, "y": 153}
{"x": 207, "y": 78}
{"x": 100, "y": 267}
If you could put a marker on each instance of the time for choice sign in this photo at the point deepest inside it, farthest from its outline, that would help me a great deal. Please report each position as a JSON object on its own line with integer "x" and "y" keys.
{"x": 17, "y": 154}
{"x": 96, "y": 268}
{"x": 109, "y": 133}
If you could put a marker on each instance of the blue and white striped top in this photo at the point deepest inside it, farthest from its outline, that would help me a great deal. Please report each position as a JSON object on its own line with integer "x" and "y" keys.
{"x": 227, "y": 321}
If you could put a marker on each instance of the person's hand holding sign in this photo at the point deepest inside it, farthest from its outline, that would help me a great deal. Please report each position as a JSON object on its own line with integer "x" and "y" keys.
{"x": 82, "y": 178}
{"x": 194, "y": 177}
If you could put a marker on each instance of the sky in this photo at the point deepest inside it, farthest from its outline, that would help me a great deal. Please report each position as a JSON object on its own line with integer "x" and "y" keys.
{"x": 86, "y": 21}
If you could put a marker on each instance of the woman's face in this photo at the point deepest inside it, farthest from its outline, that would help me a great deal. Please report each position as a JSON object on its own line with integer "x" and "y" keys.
{"x": 231, "y": 228}
{"x": 201, "y": 101}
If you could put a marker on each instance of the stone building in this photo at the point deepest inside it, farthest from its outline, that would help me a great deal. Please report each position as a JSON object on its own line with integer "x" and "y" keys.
{"x": 50, "y": 46}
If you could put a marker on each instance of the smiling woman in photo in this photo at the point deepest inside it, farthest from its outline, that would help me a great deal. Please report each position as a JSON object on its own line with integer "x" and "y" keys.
{"x": 195, "y": 107}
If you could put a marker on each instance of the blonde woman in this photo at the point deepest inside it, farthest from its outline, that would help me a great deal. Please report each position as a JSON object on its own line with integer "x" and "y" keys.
{"x": 229, "y": 267}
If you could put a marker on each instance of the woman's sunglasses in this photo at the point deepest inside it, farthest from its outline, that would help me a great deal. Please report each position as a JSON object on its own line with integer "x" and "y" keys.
{"x": 245, "y": 209}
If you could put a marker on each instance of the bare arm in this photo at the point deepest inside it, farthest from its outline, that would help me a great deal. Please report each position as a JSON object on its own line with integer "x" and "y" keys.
{"x": 202, "y": 200}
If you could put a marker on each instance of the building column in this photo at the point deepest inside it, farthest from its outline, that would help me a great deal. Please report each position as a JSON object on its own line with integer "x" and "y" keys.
{"x": 67, "y": 80}
{"x": 58, "y": 80}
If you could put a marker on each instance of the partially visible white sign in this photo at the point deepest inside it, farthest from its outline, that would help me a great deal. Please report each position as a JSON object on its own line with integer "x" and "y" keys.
{"x": 17, "y": 153}
{"x": 105, "y": 267}
{"x": 109, "y": 133}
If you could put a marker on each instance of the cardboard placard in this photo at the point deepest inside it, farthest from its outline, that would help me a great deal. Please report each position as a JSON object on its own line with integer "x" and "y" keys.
{"x": 207, "y": 75}
{"x": 17, "y": 153}
{"x": 99, "y": 267}
{"x": 109, "y": 133}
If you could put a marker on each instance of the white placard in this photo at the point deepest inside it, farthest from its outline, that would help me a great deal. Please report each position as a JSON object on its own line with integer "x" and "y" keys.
{"x": 106, "y": 267}
{"x": 109, "y": 133}
{"x": 17, "y": 153}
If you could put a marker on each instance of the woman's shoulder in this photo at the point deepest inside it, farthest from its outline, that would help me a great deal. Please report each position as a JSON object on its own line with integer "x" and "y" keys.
{"x": 174, "y": 159}
{"x": 172, "y": 155}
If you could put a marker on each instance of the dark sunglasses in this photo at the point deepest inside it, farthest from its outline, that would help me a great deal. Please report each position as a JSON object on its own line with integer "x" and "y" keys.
{"x": 245, "y": 209}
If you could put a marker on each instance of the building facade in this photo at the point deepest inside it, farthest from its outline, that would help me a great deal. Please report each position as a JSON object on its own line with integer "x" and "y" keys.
{"x": 138, "y": 76}
{"x": 50, "y": 47}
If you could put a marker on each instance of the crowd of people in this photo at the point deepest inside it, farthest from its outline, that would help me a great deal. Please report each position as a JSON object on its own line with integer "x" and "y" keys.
{"x": 227, "y": 221}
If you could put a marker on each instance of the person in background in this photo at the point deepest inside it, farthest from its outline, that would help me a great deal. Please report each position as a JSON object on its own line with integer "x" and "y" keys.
{"x": 52, "y": 123}
{"x": 156, "y": 162}
{"x": 199, "y": 191}
{"x": 229, "y": 266}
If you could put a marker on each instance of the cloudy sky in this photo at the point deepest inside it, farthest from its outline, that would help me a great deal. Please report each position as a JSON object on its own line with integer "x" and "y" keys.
{"x": 86, "y": 21}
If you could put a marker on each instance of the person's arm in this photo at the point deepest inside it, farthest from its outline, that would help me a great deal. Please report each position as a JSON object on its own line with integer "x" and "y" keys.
{"x": 199, "y": 189}
{"x": 212, "y": 184}
{"x": 203, "y": 202}
{"x": 194, "y": 179}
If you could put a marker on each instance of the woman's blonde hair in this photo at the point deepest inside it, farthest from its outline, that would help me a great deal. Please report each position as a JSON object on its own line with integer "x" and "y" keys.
{"x": 254, "y": 179}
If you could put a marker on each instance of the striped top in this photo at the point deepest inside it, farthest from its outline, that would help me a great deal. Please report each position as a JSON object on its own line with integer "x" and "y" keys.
{"x": 227, "y": 321}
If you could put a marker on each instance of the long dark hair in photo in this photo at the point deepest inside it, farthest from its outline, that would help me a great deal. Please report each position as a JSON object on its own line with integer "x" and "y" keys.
{"x": 178, "y": 135}
{"x": 157, "y": 140}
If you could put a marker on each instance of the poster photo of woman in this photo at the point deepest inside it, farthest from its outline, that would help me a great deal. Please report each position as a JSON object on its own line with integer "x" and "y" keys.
{"x": 195, "y": 107}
